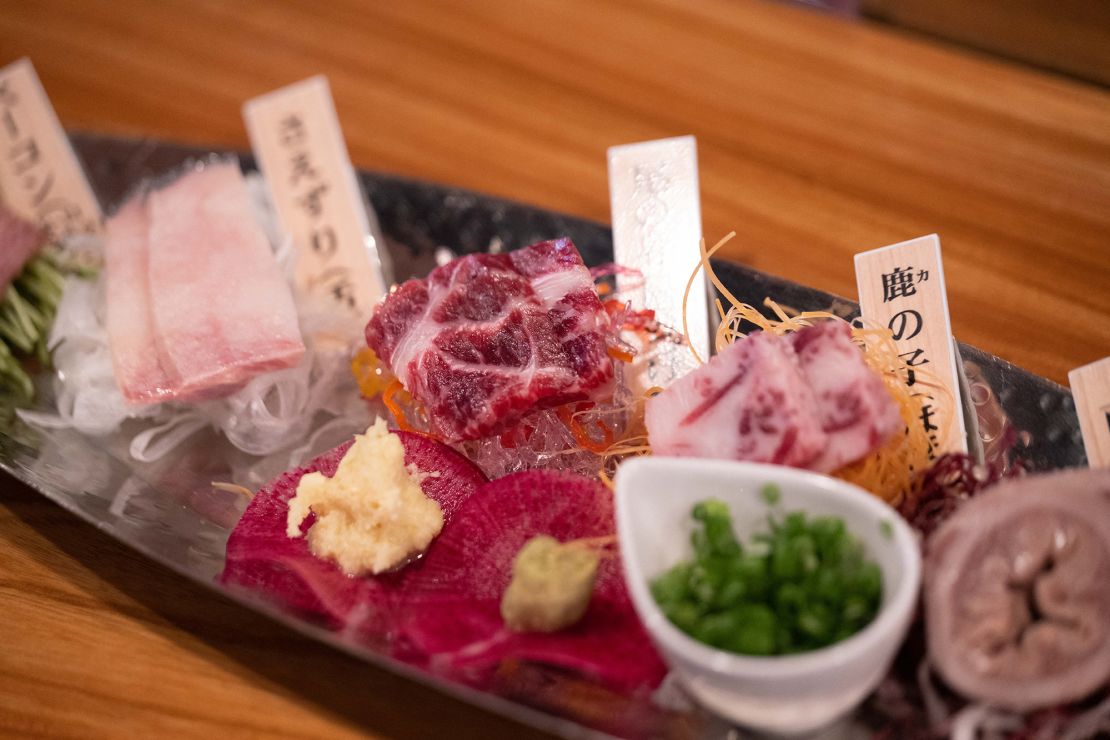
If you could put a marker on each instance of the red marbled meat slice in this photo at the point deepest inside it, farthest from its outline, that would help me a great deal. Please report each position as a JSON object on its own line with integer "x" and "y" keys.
{"x": 449, "y": 612}
{"x": 853, "y": 406}
{"x": 19, "y": 240}
{"x": 487, "y": 338}
{"x": 136, "y": 363}
{"x": 222, "y": 311}
{"x": 760, "y": 400}
{"x": 750, "y": 402}
{"x": 263, "y": 559}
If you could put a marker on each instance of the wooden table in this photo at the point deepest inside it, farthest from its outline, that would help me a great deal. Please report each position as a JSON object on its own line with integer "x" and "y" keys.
{"x": 818, "y": 138}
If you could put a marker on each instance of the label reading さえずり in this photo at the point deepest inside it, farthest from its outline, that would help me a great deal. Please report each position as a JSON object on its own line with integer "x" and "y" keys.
{"x": 295, "y": 135}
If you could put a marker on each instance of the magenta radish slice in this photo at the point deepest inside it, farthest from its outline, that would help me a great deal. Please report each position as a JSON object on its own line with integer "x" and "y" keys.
{"x": 260, "y": 556}
{"x": 448, "y": 609}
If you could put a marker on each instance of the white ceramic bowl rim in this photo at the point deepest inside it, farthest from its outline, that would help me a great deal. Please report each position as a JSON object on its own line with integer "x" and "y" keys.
{"x": 725, "y": 663}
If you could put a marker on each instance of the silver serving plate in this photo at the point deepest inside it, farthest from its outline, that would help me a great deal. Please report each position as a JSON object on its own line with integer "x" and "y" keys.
{"x": 169, "y": 512}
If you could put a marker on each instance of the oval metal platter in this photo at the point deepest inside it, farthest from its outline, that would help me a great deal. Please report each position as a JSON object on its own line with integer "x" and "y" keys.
{"x": 169, "y": 512}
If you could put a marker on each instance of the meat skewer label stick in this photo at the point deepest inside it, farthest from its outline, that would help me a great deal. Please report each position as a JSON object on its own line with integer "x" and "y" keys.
{"x": 41, "y": 178}
{"x": 656, "y": 212}
{"x": 1090, "y": 385}
{"x": 902, "y": 288}
{"x": 339, "y": 276}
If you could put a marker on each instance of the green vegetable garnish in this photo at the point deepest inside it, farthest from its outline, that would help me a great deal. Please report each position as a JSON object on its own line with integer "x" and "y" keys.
{"x": 802, "y": 585}
{"x": 27, "y": 309}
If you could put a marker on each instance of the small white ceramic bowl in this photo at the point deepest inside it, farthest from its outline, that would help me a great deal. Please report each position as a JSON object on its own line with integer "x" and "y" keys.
{"x": 790, "y": 694}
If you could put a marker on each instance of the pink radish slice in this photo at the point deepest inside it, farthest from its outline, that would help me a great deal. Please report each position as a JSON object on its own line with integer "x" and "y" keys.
{"x": 260, "y": 557}
{"x": 448, "y": 613}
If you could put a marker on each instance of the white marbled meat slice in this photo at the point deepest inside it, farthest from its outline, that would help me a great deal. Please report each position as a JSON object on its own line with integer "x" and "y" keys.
{"x": 138, "y": 368}
{"x": 487, "y": 338}
{"x": 1017, "y": 591}
{"x": 854, "y": 408}
{"x": 758, "y": 401}
{"x": 19, "y": 240}
{"x": 750, "y": 402}
{"x": 222, "y": 311}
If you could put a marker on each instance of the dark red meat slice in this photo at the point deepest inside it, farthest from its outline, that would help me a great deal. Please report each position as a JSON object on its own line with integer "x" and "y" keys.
{"x": 262, "y": 558}
{"x": 448, "y": 613}
{"x": 487, "y": 338}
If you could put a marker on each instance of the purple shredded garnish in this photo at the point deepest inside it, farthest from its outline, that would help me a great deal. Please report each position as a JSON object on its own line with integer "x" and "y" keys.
{"x": 952, "y": 480}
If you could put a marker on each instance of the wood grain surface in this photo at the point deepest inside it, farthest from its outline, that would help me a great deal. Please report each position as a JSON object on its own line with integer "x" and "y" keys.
{"x": 818, "y": 138}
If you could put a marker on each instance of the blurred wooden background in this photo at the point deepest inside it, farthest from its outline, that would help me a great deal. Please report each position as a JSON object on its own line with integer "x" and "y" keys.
{"x": 1067, "y": 36}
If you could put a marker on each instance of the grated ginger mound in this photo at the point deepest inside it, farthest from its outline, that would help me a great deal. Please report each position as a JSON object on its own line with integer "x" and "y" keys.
{"x": 372, "y": 515}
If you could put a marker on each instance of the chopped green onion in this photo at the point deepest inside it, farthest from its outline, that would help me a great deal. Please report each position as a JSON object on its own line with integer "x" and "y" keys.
{"x": 803, "y": 585}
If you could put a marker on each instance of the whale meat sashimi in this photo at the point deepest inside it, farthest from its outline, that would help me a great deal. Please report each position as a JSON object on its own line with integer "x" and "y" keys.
{"x": 196, "y": 303}
{"x": 135, "y": 361}
{"x": 855, "y": 410}
{"x": 221, "y": 309}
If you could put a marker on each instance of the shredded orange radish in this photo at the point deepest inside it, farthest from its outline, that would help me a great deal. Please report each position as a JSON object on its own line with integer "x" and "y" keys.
{"x": 233, "y": 488}
{"x": 370, "y": 374}
{"x": 893, "y": 473}
{"x": 618, "y": 353}
{"x": 604, "y": 546}
{"x": 704, "y": 264}
{"x": 390, "y": 398}
{"x": 581, "y": 435}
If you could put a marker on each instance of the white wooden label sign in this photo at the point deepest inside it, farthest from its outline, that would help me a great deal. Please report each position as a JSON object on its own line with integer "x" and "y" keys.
{"x": 41, "y": 179}
{"x": 656, "y": 210}
{"x": 296, "y": 138}
{"x": 1090, "y": 386}
{"x": 902, "y": 288}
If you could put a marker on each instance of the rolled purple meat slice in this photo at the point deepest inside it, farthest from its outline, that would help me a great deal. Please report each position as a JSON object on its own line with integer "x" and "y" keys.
{"x": 1017, "y": 591}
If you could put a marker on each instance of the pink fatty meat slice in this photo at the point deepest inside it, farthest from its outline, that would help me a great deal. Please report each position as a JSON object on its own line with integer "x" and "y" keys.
{"x": 197, "y": 305}
{"x": 135, "y": 359}
{"x": 449, "y": 610}
{"x": 485, "y": 339}
{"x": 19, "y": 240}
{"x": 222, "y": 310}
{"x": 806, "y": 400}
{"x": 263, "y": 559}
